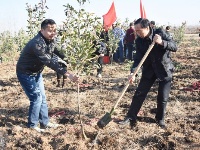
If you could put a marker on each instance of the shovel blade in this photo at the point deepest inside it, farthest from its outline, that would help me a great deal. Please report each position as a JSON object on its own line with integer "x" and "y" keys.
{"x": 104, "y": 120}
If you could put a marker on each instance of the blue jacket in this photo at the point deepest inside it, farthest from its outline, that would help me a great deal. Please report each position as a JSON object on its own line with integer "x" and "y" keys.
{"x": 119, "y": 34}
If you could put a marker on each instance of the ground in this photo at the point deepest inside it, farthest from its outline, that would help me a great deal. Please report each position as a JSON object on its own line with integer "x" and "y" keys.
{"x": 97, "y": 97}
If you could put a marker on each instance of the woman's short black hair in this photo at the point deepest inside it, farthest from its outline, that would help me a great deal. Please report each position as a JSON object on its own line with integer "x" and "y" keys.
{"x": 144, "y": 22}
{"x": 46, "y": 22}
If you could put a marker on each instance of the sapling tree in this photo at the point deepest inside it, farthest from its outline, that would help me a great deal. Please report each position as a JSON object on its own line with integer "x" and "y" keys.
{"x": 36, "y": 15}
{"x": 21, "y": 38}
{"x": 11, "y": 43}
{"x": 179, "y": 33}
{"x": 112, "y": 44}
{"x": 79, "y": 30}
{"x": 125, "y": 24}
{"x": 7, "y": 44}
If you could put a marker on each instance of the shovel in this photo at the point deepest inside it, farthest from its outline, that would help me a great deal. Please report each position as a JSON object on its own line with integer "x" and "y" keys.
{"x": 107, "y": 117}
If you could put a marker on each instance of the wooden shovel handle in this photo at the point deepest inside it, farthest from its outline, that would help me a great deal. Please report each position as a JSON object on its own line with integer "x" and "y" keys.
{"x": 143, "y": 59}
{"x": 134, "y": 73}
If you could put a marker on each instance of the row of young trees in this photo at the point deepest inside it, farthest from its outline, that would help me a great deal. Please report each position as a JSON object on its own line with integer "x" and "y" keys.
{"x": 78, "y": 26}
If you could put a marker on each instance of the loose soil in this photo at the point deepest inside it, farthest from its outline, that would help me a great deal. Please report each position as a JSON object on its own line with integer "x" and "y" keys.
{"x": 97, "y": 97}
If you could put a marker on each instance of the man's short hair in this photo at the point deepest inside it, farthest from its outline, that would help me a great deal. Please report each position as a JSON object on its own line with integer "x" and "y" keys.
{"x": 167, "y": 27}
{"x": 143, "y": 22}
{"x": 46, "y": 22}
{"x": 152, "y": 22}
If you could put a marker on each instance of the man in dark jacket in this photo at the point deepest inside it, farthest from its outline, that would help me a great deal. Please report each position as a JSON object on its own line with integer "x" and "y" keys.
{"x": 153, "y": 25}
{"x": 157, "y": 66}
{"x": 167, "y": 30}
{"x": 100, "y": 51}
{"x": 38, "y": 53}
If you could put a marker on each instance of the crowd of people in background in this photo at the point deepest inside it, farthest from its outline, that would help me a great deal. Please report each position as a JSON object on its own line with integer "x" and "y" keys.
{"x": 127, "y": 37}
{"x": 126, "y": 46}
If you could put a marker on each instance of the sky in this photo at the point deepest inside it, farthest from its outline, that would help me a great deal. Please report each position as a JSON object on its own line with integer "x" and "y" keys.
{"x": 13, "y": 14}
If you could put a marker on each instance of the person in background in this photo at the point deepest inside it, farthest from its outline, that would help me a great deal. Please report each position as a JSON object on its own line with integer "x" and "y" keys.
{"x": 157, "y": 66}
{"x": 60, "y": 76}
{"x": 39, "y": 52}
{"x": 167, "y": 30}
{"x": 125, "y": 50}
{"x": 101, "y": 50}
{"x": 129, "y": 39}
{"x": 119, "y": 34}
{"x": 104, "y": 35}
{"x": 153, "y": 25}
{"x": 105, "y": 38}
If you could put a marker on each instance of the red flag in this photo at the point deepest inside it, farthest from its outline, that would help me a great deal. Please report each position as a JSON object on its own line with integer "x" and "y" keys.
{"x": 142, "y": 10}
{"x": 110, "y": 17}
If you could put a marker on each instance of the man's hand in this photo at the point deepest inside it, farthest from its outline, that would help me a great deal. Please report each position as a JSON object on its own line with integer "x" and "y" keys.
{"x": 131, "y": 78}
{"x": 157, "y": 39}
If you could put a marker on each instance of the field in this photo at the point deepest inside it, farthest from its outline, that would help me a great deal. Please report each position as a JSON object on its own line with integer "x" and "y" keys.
{"x": 97, "y": 97}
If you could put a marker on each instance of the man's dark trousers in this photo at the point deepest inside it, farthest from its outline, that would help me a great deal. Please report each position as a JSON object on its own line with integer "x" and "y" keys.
{"x": 141, "y": 93}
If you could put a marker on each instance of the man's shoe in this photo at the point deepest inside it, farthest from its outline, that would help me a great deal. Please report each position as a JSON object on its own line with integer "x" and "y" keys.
{"x": 125, "y": 121}
{"x": 38, "y": 129}
{"x": 161, "y": 123}
{"x": 129, "y": 121}
{"x": 52, "y": 125}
